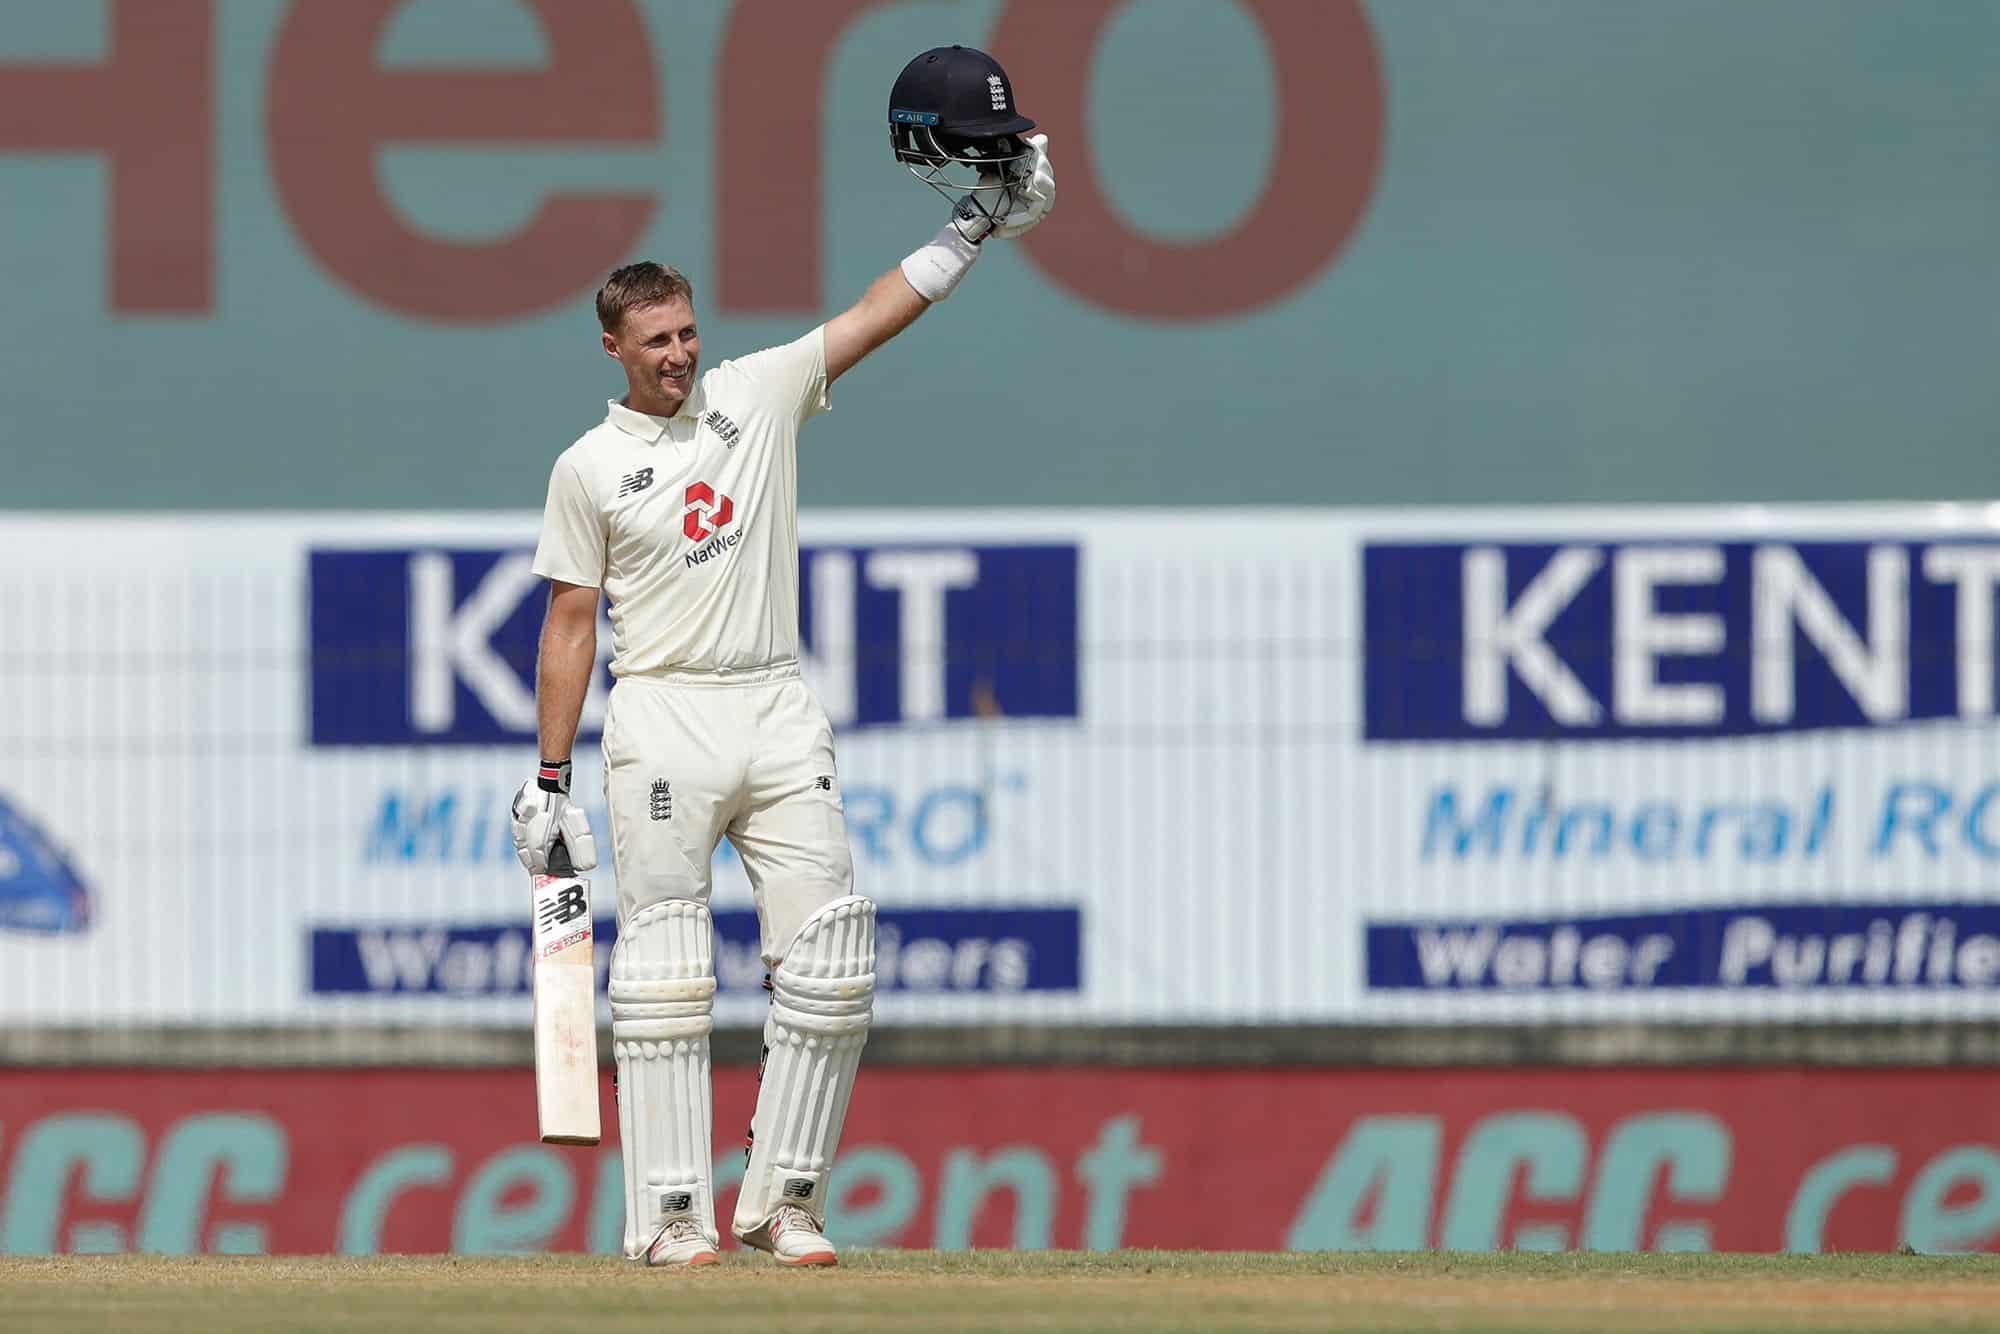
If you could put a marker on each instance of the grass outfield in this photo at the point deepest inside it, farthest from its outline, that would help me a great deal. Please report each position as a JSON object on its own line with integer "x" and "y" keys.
{"x": 1004, "y": 1290}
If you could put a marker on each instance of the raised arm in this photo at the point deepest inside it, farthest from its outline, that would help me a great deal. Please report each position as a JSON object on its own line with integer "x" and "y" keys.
{"x": 889, "y": 306}
{"x": 892, "y": 302}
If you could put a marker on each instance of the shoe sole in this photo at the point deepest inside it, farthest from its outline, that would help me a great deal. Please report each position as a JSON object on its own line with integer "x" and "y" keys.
{"x": 810, "y": 1260}
{"x": 693, "y": 1262}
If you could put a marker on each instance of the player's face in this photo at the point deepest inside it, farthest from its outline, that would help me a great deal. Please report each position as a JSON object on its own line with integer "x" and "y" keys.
{"x": 660, "y": 351}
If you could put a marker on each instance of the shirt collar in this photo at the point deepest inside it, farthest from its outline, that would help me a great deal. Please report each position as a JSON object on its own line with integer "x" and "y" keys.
{"x": 643, "y": 426}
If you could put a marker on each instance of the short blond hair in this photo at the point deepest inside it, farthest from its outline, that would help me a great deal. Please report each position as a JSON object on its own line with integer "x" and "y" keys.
{"x": 637, "y": 286}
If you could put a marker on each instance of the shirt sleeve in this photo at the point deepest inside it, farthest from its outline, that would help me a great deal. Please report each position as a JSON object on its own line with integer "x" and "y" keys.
{"x": 572, "y": 545}
{"x": 792, "y": 377}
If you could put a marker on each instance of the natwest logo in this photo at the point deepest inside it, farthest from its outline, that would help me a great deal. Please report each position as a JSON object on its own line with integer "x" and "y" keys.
{"x": 706, "y": 512}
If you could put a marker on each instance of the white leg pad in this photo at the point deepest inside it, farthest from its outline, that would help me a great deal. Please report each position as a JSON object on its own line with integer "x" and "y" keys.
{"x": 662, "y": 1009}
{"x": 822, "y": 999}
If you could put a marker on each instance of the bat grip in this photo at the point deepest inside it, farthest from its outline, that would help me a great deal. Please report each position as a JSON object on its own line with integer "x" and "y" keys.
{"x": 559, "y": 862}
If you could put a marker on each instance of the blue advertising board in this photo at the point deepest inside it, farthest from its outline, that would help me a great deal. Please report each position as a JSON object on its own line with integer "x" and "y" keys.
{"x": 414, "y": 646}
{"x": 992, "y": 951}
{"x": 1835, "y": 945}
{"x": 1673, "y": 637}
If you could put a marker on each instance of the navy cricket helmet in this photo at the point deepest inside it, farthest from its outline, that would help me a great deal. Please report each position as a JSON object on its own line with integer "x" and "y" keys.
{"x": 953, "y": 122}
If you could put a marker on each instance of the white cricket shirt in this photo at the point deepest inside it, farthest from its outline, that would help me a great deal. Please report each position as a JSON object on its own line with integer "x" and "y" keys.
{"x": 690, "y": 523}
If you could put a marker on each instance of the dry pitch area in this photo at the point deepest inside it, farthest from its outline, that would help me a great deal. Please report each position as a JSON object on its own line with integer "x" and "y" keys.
{"x": 998, "y": 1290}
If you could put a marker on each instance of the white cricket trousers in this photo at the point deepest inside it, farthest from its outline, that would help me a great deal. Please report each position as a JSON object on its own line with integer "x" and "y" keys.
{"x": 690, "y": 757}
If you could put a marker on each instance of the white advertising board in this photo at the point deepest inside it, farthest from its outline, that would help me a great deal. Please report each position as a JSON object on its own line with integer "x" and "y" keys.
{"x": 1249, "y": 766}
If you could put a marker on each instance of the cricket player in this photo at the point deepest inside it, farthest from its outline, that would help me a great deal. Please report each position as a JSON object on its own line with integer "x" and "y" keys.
{"x": 681, "y": 507}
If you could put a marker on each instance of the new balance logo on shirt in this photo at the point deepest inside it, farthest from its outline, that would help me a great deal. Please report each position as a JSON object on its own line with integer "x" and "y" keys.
{"x": 634, "y": 482}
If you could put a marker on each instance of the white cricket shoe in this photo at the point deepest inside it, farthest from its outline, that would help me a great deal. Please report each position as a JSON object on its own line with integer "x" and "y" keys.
{"x": 680, "y": 1243}
{"x": 792, "y": 1238}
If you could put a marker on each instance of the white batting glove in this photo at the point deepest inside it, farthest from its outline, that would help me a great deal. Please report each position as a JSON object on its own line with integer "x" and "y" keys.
{"x": 935, "y": 268}
{"x": 1031, "y": 190}
{"x": 542, "y": 813}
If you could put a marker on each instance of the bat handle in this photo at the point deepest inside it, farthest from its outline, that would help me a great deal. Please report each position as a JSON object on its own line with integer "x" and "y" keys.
{"x": 559, "y": 862}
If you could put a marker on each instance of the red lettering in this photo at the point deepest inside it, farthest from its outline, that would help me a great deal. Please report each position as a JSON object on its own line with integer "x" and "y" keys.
{"x": 1329, "y": 128}
{"x": 767, "y": 227}
{"x": 149, "y": 108}
{"x": 331, "y": 107}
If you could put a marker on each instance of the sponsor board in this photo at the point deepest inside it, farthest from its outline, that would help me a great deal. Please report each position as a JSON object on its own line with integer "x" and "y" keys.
{"x": 932, "y": 824}
{"x": 1299, "y": 766}
{"x": 305, "y": 1161}
{"x": 436, "y": 646}
{"x": 1685, "y": 638}
{"x": 1681, "y": 766}
{"x": 1796, "y": 946}
{"x": 963, "y": 950}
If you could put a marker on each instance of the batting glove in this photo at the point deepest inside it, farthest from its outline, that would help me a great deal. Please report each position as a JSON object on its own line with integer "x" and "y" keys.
{"x": 1031, "y": 190}
{"x": 543, "y": 813}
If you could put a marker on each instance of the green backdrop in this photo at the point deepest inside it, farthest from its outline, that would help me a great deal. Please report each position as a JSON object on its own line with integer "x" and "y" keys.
{"x": 1566, "y": 249}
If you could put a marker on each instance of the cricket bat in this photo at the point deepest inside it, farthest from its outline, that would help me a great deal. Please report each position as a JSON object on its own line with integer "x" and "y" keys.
{"x": 565, "y": 983}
